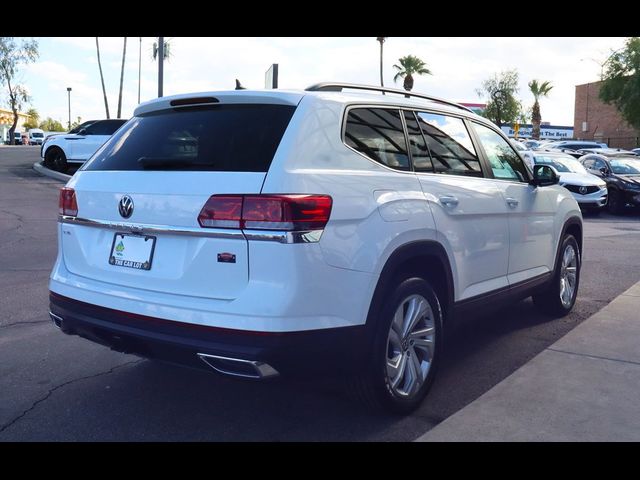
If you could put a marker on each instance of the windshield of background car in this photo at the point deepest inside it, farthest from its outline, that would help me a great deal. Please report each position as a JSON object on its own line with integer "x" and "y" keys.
{"x": 625, "y": 166}
{"x": 566, "y": 163}
{"x": 37, "y": 135}
{"x": 222, "y": 138}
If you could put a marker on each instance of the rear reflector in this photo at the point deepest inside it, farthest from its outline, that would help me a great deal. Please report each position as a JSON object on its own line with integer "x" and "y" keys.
{"x": 67, "y": 204}
{"x": 266, "y": 212}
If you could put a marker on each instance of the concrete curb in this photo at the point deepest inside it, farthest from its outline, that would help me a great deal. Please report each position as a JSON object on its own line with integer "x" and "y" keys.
{"x": 584, "y": 387}
{"x": 44, "y": 171}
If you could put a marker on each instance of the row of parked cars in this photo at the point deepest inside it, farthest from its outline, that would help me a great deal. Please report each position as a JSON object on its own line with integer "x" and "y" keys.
{"x": 597, "y": 176}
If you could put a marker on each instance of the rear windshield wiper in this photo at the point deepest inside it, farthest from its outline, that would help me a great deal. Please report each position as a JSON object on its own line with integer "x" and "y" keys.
{"x": 168, "y": 163}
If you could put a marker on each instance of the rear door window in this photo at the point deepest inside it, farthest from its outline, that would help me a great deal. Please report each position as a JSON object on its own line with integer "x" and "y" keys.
{"x": 222, "y": 138}
{"x": 450, "y": 145}
{"x": 105, "y": 127}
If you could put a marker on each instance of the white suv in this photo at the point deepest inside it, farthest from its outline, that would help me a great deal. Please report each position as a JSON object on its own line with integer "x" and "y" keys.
{"x": 265, "y": 232}
{"x": 77, "y": 145}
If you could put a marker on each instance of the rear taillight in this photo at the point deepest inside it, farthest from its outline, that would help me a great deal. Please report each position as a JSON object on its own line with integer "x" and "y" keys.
{"x": 67, "y": 204}
{"x": 266, "y": 212}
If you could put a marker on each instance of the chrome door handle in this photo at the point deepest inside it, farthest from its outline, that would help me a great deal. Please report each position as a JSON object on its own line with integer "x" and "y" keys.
{"x": 448, "y": 201}
{"x": 512, "y": 202}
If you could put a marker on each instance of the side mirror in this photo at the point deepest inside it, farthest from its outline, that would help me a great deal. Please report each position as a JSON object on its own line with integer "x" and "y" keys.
{"x": 544, "y": 176}
{"x": 604, "y": 171}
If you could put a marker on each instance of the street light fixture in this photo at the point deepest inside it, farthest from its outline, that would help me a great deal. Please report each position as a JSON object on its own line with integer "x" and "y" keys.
{"x": 69, "y": 95}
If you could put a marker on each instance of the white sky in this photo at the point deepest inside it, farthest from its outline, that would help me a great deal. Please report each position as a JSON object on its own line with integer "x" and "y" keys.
{"x": 459, "y": 65}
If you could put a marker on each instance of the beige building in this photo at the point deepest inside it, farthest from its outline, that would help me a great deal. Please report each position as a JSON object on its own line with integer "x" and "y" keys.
{"x": 6, "y": 120}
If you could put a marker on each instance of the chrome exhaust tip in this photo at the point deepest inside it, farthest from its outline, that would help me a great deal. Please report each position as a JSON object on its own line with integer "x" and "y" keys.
{"x": 57, "y": 320}
{"x": 238, "y": 367}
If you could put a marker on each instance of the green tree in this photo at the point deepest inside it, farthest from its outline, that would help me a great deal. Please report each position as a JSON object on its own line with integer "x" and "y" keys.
{"x": 538, "y": 90}
{"x": 410, "y": 66}
{"x": 51, "y": 125}
{"x": 502, "y": 105}
{"x": 104, "y": 91}
{"x": 34, "y": 116}
{"x": 14, "y": 54}
{"x": 621, "y": 81}
{"x": 76, "y": 123}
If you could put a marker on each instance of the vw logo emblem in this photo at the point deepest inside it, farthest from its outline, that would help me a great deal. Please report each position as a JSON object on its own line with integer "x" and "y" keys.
{"x": 125, "y": 207}
{"x": 583, "y": 190}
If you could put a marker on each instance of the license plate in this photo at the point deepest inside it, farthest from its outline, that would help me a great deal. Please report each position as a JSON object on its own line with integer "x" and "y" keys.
{"x": 132, "y": 251}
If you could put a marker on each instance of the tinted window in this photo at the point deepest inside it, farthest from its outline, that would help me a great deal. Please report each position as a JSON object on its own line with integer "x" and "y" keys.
{"x": 417, "y": 144}
{"x": 378, "y": 134}
{"x": 505, "y": 162}
{"x": 82, "y": 125}
{"x": 105, "y": 127}
{"x": 229, "y": 138}
{"x": 588, "y": 163}
{"x": 449, "y": 144}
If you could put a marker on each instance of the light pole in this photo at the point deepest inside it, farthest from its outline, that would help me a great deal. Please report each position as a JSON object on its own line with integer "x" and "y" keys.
{"x": 69, "y": 95}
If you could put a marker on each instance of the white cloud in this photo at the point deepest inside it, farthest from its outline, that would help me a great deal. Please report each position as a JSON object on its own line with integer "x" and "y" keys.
{"x": 459, "y": 65}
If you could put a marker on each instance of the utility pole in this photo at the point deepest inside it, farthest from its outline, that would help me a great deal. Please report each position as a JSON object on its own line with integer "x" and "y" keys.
{"x": 160, "y": 64}
{"x": 69, "y": 95}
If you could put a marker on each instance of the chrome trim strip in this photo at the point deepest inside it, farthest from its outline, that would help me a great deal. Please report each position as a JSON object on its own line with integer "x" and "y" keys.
{"x": 144, "y": 229}
{"x": 263, "y": 370}
{"x": 309, "y": 236}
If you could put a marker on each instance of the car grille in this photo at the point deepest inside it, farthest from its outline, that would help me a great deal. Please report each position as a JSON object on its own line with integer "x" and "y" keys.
{"x": 576, "y": 189}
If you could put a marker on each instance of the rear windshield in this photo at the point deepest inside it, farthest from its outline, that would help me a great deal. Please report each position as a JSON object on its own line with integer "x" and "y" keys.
{"x": 222, "y": 138}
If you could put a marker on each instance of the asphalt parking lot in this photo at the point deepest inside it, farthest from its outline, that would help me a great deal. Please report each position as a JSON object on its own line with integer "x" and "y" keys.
{"x": 59, "y": 388}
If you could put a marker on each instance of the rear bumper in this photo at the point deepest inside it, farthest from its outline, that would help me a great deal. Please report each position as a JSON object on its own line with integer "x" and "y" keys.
{"x": 332, "y": 350}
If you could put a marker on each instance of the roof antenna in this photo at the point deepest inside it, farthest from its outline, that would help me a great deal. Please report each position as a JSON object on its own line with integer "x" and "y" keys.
{"x": 239, "y": 86}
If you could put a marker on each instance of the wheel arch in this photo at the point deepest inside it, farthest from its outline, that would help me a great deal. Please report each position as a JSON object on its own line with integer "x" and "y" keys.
{"x": 572, "y": 226}
{"x": 426, "y": 259}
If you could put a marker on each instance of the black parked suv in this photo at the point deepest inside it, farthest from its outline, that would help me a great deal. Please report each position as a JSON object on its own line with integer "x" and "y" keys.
{"x": 621, "y": 172}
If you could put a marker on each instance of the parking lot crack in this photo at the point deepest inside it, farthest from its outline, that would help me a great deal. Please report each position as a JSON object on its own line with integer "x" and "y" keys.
{"x": 24, "y": 323}
{"x": 58, "y": 387}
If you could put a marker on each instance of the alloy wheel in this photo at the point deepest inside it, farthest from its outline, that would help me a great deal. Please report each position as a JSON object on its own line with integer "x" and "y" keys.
{"x": 410, "y": 346}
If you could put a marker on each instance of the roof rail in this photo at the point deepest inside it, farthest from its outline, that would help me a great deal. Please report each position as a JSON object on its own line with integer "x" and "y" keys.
{"x": 337, "y": 87}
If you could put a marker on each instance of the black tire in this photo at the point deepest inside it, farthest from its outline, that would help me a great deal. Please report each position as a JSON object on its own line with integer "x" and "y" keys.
{"x": 372, "y": 385}
{"x": 549, "y": 301}
{"x": 55, "y": 159}
{"x": 615, "y": 203}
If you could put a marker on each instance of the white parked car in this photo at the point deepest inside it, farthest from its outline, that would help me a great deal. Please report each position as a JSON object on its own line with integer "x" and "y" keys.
{"x": 589, "y": 190}
{"x": 77, "y": 145}
{"x": 259, "y": 233}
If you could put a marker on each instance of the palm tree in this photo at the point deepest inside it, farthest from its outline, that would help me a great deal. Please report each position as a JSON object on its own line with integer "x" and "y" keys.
{"x": 34, "y": 117}
{"x": 104, "y": 91}
{"x": 381, "y": 40}
{"x": 410, "y": 66}
{"x": 538, "y": 90}
{"x": 124, "y": 54}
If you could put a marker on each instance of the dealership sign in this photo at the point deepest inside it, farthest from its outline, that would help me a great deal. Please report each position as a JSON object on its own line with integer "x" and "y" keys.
{"x": 546, "y": 131}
